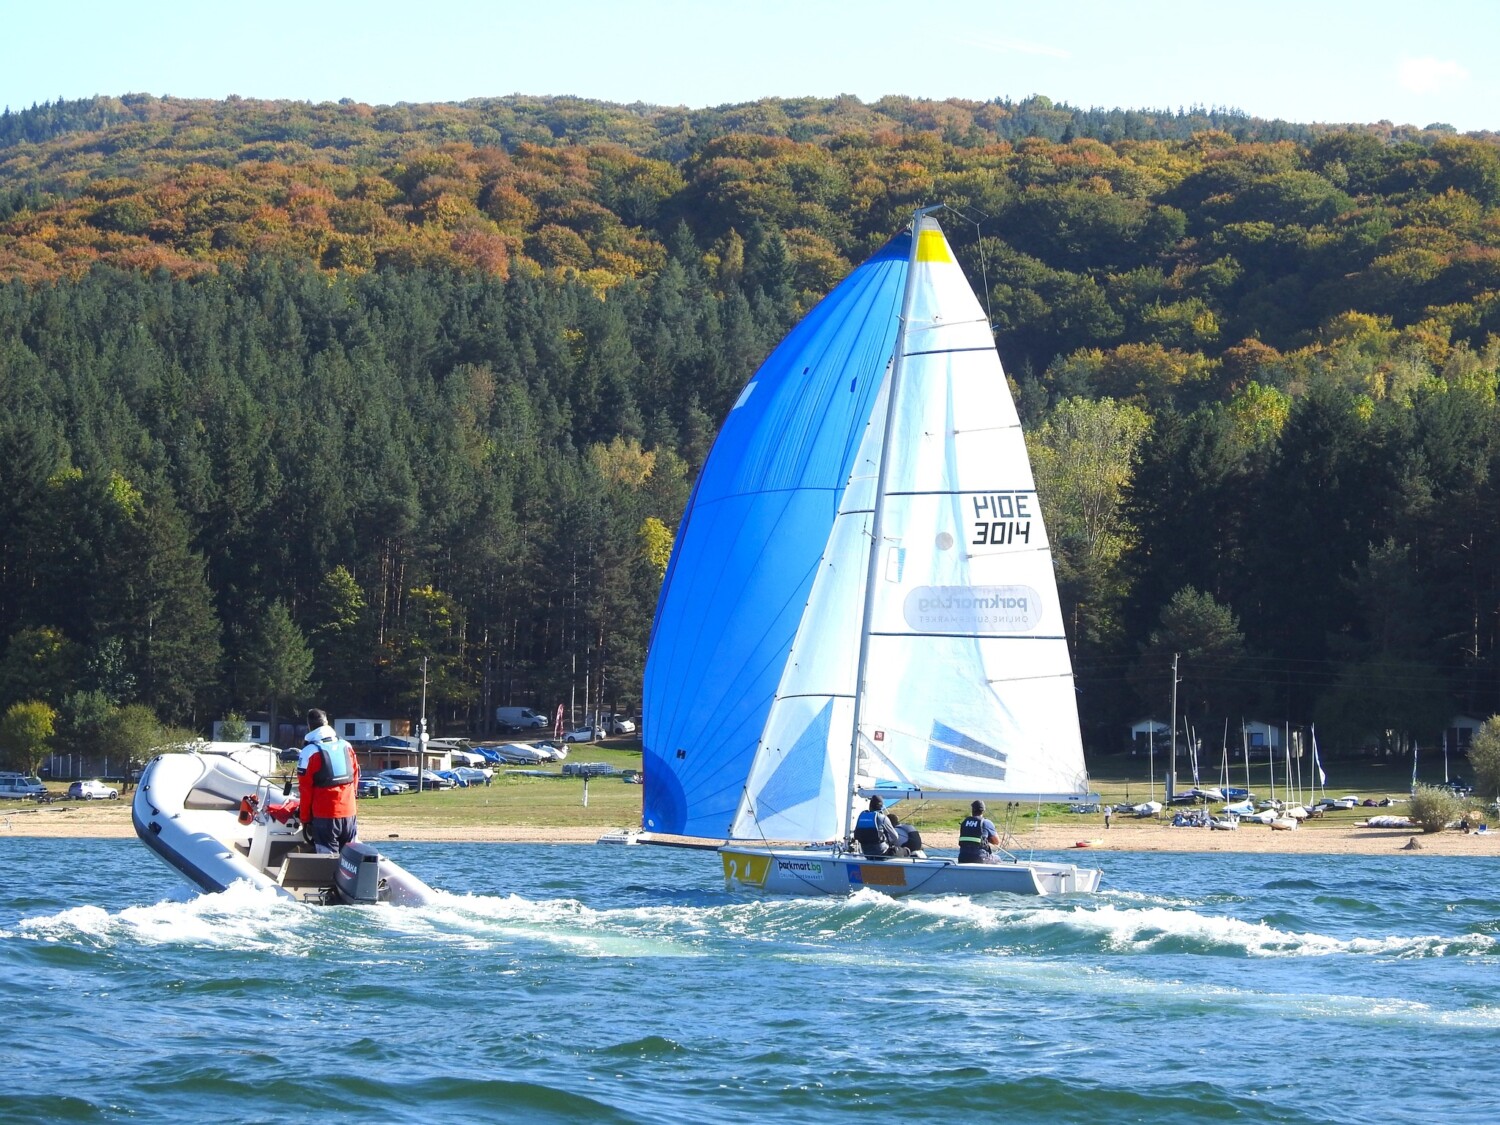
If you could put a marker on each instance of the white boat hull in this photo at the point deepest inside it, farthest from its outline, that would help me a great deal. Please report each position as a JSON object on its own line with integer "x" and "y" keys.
{"x": 186, "y": 810}
{"x": 799, "y": 871}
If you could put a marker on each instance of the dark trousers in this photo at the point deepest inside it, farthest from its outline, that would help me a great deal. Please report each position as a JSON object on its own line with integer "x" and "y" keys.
{"x": 331, "y": 833}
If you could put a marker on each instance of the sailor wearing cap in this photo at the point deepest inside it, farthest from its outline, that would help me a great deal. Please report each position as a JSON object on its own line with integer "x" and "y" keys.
{"x": 977, "y": 838}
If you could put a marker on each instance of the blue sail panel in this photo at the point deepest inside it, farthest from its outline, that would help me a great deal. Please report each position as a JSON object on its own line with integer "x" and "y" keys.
{"x": 749, "y": 545}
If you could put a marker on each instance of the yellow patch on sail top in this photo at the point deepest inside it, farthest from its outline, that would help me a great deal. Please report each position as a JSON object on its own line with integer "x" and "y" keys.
{"x": 932, "y": 247}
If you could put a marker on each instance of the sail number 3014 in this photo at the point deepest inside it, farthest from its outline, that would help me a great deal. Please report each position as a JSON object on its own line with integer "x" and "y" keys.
{"x": 1001, "y": 518}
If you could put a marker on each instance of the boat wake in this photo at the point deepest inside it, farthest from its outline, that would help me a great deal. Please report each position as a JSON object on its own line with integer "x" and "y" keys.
{"x": 1179, "y": 928}
{"x": 251, "y": 919}
{"x": 242, "y": 917}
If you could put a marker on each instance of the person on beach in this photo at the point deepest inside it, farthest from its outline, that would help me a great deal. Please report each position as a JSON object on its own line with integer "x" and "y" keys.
{"x": 875, "y": 834}
{"x": 327, "y": 786}
{"x": 977, "y": 838}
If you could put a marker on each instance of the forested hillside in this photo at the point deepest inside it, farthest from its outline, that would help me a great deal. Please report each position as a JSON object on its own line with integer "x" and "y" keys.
{"x": 292, "y": 396}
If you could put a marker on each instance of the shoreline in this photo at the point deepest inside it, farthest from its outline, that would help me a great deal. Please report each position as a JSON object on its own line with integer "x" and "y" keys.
{"x": 111, "y": 820}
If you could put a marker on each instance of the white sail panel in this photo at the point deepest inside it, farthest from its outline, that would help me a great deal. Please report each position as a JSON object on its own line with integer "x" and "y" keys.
{"x": 968, "y": 685}
{"x": 814, "y": 701}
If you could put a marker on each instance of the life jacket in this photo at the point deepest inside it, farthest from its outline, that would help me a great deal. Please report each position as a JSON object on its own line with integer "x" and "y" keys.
{"x": 973, "y": 843}
{"x": 336, "y": 765}
{"x": 867, "y": 835}
{"x": 248, "y": 807}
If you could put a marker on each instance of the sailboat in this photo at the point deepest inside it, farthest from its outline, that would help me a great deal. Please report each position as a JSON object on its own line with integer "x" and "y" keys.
{"x": 860, "y": 600}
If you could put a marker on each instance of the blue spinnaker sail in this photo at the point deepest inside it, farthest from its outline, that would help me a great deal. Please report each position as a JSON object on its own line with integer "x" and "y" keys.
{"x": 746, "y": 554}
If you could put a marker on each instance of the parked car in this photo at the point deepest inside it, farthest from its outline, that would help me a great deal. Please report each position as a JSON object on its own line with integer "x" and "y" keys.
{"x": 519, "y": 718}
{"x": 93, "y": 790}
{"x": 21, "y": 785}
{"x": 588, "y": 769}
{"x": 407, "y": 776}
{"x": 582, "y": 734}
{"x": 377, "y": 786}
{"x": 617, "y": 724}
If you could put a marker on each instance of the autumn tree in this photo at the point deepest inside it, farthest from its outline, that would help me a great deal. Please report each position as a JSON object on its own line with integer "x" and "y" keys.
{"x": 1084, "y": 455}
{"x": 26, "y": 731}
{"x": 1484, "y": 759}
{"x": 130, "y": 735}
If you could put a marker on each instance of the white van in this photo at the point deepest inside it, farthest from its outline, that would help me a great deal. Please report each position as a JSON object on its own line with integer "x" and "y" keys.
{"x": 21, "y": 785}
{"x": 519, "y": 718}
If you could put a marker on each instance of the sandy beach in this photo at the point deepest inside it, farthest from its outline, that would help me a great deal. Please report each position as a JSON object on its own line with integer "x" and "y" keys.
{"x": 111, "y": 819}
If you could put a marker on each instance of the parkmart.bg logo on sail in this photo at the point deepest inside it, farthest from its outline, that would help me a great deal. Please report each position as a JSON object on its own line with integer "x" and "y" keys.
{"x": 973, "y": 609}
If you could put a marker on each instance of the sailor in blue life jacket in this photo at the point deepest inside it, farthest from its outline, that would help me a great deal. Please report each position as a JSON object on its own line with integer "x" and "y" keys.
{"x": 977, "y": 837}
{"x": 875, "y": 834}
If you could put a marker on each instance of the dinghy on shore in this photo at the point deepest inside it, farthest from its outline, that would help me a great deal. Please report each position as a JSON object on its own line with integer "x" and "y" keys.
{"x": 211, "y": 817}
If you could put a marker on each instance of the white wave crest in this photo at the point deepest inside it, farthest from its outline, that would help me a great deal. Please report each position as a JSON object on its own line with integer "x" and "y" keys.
{"x": 488, "y": 921}
{"x": 241, "y": 917}
{"x": 1144, "y": 928}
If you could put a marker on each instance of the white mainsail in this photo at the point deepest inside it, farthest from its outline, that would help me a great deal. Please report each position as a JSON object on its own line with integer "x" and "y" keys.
{"x": 968, "y": 688}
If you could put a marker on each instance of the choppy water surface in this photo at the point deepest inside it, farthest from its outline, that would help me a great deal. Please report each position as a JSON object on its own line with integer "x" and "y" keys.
{"x": 623, "y": 984}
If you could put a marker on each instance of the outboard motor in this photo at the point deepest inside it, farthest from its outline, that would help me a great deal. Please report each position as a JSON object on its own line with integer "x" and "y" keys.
{"x": 358, "y": 879}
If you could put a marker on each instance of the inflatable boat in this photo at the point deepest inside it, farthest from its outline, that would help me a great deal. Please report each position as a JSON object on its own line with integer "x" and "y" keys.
{"x": 220, "y": 818}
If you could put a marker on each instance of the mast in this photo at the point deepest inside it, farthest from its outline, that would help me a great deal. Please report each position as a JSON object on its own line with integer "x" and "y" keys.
{"x": 1151, "y": 758}
{"x": 877, "y": 526}
{"x": 1271, "y": 762}
{"x": 1286, "y": 749}
{"x": 1172, "y": 772}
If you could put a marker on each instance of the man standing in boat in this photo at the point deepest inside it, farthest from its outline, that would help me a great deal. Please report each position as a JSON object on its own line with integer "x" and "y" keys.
{"x": 327, "y": 784}
{"x": 977, "y": 838}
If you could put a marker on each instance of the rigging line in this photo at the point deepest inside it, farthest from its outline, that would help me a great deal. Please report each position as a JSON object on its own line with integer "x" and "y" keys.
{"x": 933, "y": 326}
{"x": 1040, "y": 548}
{"x": 948, "y": 351}
{"x": 1024, "y": 679}
{"x": 984, "y": 266}
{"x": 987, "y": 430}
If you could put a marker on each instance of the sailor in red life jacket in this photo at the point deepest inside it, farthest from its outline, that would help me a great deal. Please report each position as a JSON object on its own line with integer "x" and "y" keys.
{"x": 327, "y": 782}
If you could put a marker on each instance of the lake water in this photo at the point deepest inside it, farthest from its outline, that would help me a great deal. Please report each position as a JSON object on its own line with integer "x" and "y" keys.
{"x": 578, "y": 983}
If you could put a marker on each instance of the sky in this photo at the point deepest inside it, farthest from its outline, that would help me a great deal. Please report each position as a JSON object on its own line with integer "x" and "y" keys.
{"x": 1312, "y": 60}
